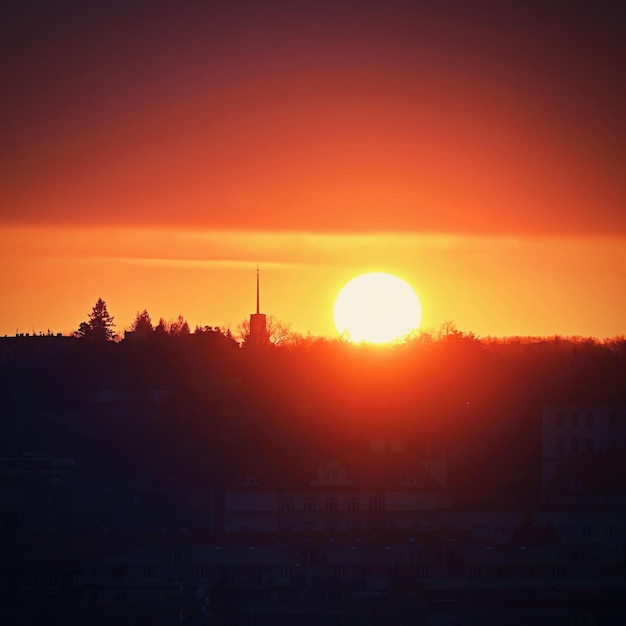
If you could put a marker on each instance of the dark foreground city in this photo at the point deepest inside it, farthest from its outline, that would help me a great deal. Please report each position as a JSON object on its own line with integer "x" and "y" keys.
{"x": 169, "y": 479}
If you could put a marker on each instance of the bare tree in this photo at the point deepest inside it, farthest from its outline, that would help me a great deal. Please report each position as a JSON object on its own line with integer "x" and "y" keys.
{"x": 279, "y": 332}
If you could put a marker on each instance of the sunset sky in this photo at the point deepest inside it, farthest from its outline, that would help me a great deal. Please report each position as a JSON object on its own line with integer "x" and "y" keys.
{"x": 152, "y": 154}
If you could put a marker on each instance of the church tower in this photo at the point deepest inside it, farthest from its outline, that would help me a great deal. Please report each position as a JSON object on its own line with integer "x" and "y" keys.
{"x": 258, "y": 321}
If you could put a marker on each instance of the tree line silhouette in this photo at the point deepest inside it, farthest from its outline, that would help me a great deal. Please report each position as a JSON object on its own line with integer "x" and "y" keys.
{"x": 100, "y": 327}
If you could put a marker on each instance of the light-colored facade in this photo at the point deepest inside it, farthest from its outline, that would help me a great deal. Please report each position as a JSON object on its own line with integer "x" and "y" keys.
{"x": 571, "y": 429}
{"x": 387, "y": 493}
{"x": 325, "y": 510}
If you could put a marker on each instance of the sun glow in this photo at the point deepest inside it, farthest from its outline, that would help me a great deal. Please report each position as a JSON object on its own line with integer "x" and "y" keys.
{"x": 377, "y": 308}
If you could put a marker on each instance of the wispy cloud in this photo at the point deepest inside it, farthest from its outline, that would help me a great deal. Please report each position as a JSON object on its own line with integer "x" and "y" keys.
{"x": 242, "y": 249}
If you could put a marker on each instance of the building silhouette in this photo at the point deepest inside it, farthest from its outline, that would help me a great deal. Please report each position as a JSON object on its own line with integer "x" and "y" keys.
{"x": 259, "y": 335}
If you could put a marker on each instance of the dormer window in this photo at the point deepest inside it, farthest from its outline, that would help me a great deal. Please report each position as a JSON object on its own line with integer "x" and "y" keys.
{"x": 411, "y": 480}
{"x": 250, "y": 481}
{"x": 331, "y": 473}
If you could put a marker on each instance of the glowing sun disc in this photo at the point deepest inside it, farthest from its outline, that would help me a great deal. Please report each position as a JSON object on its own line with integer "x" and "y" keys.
{"x": 377, "y": 308}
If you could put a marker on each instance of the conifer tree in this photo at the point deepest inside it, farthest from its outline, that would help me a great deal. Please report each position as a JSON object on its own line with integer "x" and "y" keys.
{"x": 100, "y": 325}
{"x": 142, "y": 322}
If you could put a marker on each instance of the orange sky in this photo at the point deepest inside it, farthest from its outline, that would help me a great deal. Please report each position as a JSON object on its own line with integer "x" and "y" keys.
{"x": 153, "y": 155}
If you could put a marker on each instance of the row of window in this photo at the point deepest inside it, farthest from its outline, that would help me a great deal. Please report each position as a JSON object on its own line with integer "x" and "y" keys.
{"x": 331, "y": 526}
{"x": 27, "y": 583}
{"x": 286, "y": 574}
{"x": 330, "y": 504}
{"x": 576, "y": 419}
{"x": 576, "y": 446}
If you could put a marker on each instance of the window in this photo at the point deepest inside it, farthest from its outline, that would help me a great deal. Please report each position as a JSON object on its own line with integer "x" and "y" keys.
{"x": 574, "y": 446}
{"x": 118, "y": 572}
{"x": 559, "y": 419}
{"x": 54, "y": 583}
{"x": 175, "y": 579}
{"x": 286, "y": 503}
{"x": 612, "y": 420}
{"x": 589, "y": 444}
{"x": 202, "y": 573}
{"x": 309, "y": 503}
{"x": 309, "y": 527}
{"x": 286, "y": 573}
{"x": 575, "y": 418}
{"x": 28, "y": 582}
{"x": 285, "y": 526}
{"x": 376, "y": 504}
{"x": 331, "y": 504}
{"x": 149, "y": 573}
{"x": 559, "y": 445}
{"x": 589, "y": 419}
{"x": 353, "y": 504}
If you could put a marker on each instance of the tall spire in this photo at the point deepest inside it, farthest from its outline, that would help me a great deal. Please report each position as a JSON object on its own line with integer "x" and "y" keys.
{"x": 257, "y": 289}
{"x": 258, "y": 322}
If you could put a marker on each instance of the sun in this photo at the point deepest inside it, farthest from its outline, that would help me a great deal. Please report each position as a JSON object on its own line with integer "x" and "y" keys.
{"x": 377, "y": 308}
